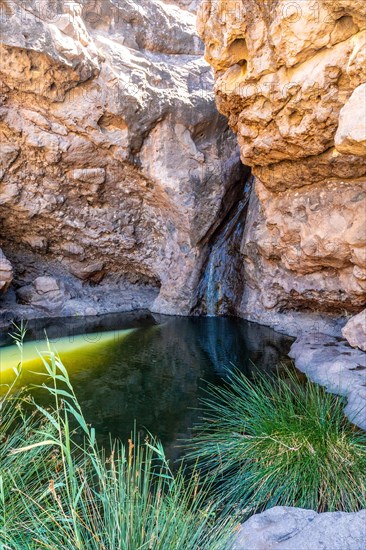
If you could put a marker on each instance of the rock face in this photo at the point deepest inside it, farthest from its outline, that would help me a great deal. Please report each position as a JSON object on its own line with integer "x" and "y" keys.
{"x": 285, "y": 528}
{"x": 115, "y": 165}
{"x": 290, "y": 77}
{"x": 355, "y": 331}
{"x": 330, "y": 362}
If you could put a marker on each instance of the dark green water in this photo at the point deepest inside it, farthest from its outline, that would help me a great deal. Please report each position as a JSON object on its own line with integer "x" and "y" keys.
{"x": 156, "y": 375}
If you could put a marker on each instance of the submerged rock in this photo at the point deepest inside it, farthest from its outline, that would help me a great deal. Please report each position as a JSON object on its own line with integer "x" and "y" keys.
{"x": 285, "y": 528}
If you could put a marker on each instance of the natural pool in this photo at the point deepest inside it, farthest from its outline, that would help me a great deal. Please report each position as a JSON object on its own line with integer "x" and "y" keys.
{"x": 147, "y": 368}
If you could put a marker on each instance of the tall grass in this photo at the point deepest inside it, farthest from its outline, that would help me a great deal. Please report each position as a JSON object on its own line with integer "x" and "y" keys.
{"x": 280, "y": 442}
{"x": 56, "y": 492}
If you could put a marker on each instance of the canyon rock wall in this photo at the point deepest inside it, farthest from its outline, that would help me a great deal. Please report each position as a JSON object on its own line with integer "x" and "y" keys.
{"x": 115, "y": 164}
{"x": 290, "y": 77}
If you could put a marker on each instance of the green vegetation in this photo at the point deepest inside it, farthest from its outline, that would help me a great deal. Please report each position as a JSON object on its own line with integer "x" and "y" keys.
{"x": 280, "y": 442}
{"x": 260, "y": 444}
{"x": 59, "y": 492}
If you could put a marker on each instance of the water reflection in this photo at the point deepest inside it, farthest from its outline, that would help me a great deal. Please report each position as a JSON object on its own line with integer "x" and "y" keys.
{"x": 156, "y": 375}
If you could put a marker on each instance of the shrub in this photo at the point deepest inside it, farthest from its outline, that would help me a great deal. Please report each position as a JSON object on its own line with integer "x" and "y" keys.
{"x": 280, "y": 442}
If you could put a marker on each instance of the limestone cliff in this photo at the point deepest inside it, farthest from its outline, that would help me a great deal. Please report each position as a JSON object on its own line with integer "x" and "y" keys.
{"x": 115, "y": 164}
{"x": 290, "y": 77}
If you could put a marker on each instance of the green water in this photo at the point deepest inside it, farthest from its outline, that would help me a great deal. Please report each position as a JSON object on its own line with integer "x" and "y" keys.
{"x": 147, "y": 369}
{"x": 78, "y": 353}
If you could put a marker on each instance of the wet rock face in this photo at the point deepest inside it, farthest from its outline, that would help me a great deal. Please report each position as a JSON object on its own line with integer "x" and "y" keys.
{"x": 222, "y": 281}
{"x": 290, "y": 77}
{"x": 114, "y": 160}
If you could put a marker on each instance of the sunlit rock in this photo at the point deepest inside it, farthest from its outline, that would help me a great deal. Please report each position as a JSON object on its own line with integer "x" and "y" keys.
{"x": 350, "y": 138}
{"x": 111, "y": 141}
{"x": 290, "y": 77}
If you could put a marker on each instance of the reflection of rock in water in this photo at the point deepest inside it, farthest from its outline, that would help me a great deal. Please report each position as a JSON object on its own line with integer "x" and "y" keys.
{"x": 157, "y": 374}
{"x": 233, "y": 343}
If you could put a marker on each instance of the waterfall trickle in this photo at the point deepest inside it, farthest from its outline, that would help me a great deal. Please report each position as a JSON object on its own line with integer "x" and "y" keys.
{"x": 222, "y": 280}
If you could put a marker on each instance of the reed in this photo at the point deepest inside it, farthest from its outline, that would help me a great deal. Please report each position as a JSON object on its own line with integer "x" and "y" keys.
{"x": 59, "y": 490}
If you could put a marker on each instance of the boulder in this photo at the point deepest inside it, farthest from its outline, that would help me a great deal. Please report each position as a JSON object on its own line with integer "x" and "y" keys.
{"x": 350, "y": 138}
{"x": 6, "y": 272}
{"x": 355, "y": 331}
{"x": 45, "y": 285}
{"x": 331, "y": 362}
{"x": 44, "y": 293}
{"x": 88, "y": 271}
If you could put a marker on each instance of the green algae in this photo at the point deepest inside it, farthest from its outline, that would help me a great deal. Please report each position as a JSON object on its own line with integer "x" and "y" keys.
{"x": 80, "y": 352}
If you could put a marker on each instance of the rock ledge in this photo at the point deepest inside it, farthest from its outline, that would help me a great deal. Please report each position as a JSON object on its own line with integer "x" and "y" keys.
{"x": 285, "y": 528}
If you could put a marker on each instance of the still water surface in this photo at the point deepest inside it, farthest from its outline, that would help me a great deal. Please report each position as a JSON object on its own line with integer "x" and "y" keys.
{"x": 154, "y": 374}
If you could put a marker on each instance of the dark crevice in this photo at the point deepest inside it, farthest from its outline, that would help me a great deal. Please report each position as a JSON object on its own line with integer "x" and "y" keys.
{"x": 221, "y": 282}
